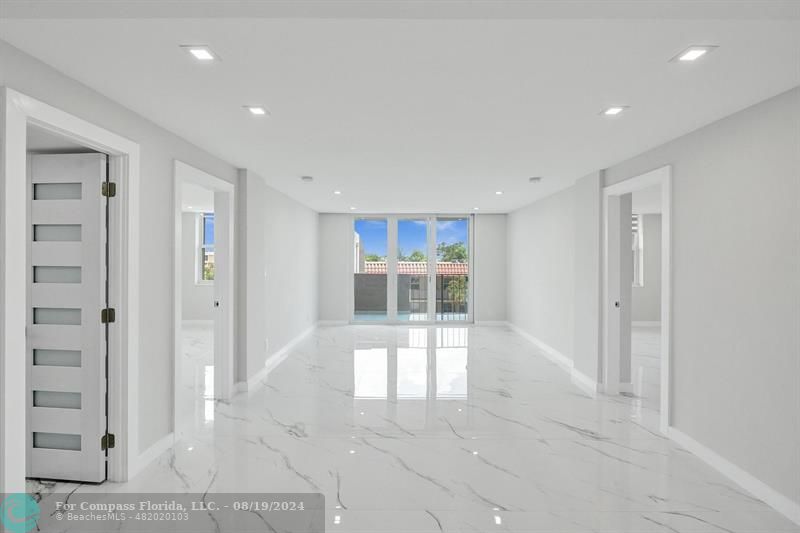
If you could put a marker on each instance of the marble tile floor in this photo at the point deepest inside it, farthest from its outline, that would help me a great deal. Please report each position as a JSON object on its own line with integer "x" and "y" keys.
{"x": 429, "y": 429}
{"x": 194, "y": 401}
{"x": 646, "y": 365}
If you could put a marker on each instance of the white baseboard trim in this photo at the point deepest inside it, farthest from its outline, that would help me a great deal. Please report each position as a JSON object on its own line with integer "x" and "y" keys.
{"x": 151, "y": 454}
{"x": 646, "y": 323}
{"x": 332, "y": 322}
{"x": 747, "y": 481}
{"x": 579, "y": 379}
{"x": 492, "y": 323}
{"x": 277, "y": 358}
{"x": 551, "y": 353}
{"x": 584, "y": 382}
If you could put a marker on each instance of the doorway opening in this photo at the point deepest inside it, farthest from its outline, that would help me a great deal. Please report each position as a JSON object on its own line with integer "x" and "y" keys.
{"x": 643, "y": 379}
{"x": 636, "y": 289}
{"x": 204, "y": 299}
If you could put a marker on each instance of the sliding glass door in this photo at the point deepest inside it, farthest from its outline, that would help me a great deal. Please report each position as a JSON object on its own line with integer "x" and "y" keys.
{"x": 452, "y": 268}
{"x": 412, "y": 269}
{"x": 370, "y": 274}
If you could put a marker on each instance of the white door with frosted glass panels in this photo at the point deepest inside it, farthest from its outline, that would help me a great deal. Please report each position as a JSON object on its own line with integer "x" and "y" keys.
{"x": 66, "y": 339}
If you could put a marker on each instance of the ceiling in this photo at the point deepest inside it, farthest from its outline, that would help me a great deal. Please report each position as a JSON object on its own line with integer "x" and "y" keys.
{"x": 419, "y": 114}
{"x": 196, "y": 199}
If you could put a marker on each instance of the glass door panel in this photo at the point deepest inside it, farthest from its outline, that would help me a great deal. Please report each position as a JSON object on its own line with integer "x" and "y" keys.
{"x": 452, "y": 268}
{"x": 412, "y": 269}
{"x": 370, "y": 273}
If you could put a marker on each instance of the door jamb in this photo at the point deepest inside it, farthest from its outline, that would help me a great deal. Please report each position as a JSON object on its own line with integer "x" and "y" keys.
{"x": 661, "y": 176}
{"x": 17, "y": 111}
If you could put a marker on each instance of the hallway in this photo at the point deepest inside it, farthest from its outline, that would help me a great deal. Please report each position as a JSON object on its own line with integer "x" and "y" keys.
{"x": 449, "y": 429}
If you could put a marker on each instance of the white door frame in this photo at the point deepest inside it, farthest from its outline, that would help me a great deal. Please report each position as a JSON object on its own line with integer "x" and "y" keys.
{"x": 610, "y": 357}
{"x": 17, "y": 111}
{"x": 391, "y": 257}
{"x": 224, "y": 234}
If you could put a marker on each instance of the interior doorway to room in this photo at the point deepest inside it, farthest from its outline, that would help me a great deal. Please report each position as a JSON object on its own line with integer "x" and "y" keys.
{"x": 642, "y": 378}
{"x": 412, "y": 269}
{"x": 636, "y": 288}
{"x": 204, "y": 296}
{"x": 68, "y": 309}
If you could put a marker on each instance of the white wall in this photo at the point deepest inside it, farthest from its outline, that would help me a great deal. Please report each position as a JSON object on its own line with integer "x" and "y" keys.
{"x": 336, "y": 256}
{"x": 586, "y": 303}
{"x": 736, "y": 286}
{"x": 541, "y": 270}
{"x": 280, "y": 296}
{"x": 489, "y": 268}
{"x": 335, "y": 266}
{"x": 159, "y": 148}
{"x": 198, "y": 299}
{"x": 647, "y": 299}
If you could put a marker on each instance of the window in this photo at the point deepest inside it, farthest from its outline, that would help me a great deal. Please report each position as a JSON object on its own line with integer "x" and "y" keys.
{"x": 638, "y": 251}
{"x": 205, "y": 271}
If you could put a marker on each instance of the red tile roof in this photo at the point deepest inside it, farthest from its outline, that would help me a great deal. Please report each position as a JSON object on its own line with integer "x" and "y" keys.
{"x": 417, "y": 268}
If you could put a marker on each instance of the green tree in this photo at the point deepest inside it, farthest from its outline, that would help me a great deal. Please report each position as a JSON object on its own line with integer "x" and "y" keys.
{"x": 457, "y": 287}
{"x": 452, "y": 253}
{"x": 417, "y": 256}
{"x": 208, "y": 272}
{"x": 373, "y": 257}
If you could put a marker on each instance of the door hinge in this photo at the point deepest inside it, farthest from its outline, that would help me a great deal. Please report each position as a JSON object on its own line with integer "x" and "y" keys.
{"x": 107, "y": 441}
{"x": 108, "y": 315}
{"x": 109, "y": 189}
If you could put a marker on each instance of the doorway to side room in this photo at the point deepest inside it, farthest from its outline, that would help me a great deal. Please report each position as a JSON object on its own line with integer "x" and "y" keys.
{"x": 636, "y": 288}
{"x": 203, "y": 297}
{"x": 644, "y": 377}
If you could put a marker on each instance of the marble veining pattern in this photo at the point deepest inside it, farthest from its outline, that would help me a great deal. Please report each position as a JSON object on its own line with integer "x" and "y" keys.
{"x": 428, "y": 429}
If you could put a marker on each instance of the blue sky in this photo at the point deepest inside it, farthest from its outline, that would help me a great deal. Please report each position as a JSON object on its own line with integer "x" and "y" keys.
{"x": 411, "y": 234}
{"x": 208, "y": 229}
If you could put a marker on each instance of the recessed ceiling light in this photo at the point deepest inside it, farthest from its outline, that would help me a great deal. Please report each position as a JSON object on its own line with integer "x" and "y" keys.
{"x": 189, "y": 207}
{"x": 498, "y": 193}
{"x": 614, "y": 110}
{"x": 694, "y": 52}
{"x": 307, "y": 179}
{"x": 256, "y": 110}
{"x": 200, "y": 52}
{"x": 353, "y": 209}
{"x": 337, "y": 192}
{"x": 474, "y": 209}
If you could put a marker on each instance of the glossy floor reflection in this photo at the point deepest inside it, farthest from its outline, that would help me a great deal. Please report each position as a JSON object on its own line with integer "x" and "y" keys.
{"x": 451, "y": 429}
{"x": 194, "y": 401}
{"x": 646, "y": 365}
